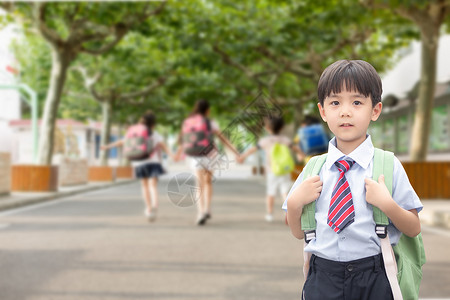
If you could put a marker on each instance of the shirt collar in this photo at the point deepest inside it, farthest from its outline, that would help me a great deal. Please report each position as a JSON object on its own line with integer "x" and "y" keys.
{"x": 362, "y": 155}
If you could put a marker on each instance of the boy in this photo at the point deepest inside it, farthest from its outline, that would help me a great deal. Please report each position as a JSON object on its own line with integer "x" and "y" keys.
{"x": 273, "y": 126}
{"x": 346, "y": 262}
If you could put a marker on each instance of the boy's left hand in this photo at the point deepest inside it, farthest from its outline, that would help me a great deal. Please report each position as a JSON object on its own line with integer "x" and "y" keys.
{"x": 377, "y": 193}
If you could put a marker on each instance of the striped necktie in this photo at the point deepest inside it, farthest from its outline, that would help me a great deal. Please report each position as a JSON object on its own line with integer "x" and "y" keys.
{"x": 341, "y": 212}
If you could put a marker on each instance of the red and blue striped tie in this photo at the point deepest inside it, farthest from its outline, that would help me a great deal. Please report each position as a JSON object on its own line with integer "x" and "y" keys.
{"x": 341, "y": 212}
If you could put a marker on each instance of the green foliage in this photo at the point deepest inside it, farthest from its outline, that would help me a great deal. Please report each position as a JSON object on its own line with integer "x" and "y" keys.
{"x": 265, "y": 41}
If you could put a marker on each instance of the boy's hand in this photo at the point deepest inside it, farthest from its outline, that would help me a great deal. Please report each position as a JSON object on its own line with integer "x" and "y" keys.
{"x": 377, "y": 193}
{"x": 308, "y": 191}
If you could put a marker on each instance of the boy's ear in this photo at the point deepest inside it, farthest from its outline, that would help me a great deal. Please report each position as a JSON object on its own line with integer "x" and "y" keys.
{"x": 376, "y": 111}
{"x": 322, "y": 112}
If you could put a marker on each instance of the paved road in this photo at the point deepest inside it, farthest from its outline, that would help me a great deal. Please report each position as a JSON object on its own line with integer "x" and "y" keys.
{"x": 99, "y": 246}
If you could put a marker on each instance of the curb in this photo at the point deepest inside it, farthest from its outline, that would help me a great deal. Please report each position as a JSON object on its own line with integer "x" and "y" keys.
{"x": 18, "y": 199}
{"x": 437, "y": 219}
{"x": 436, "y": 213}
{"x": 442, "y": 219}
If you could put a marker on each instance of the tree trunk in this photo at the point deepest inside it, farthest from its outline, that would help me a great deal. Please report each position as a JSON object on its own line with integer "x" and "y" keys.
{"x": 123, "y": 161}
{"x": 424, "y": 105}
{"x": 60, "y": 62}
{"x": 106, "y": 130}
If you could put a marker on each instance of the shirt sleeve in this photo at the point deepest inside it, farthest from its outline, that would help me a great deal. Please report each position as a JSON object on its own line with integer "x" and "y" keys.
{"x": 402, "y": 191}
{"x": 288, "y": 141}
{"x": 296, "y": 183}
{"x": 262, "y": 143}
{"x": 157, "y": 138}
{"x": 214, "y": 126}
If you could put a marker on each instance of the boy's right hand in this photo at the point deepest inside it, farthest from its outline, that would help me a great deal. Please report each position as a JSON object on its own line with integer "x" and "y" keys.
{"x": 306, "y": 192}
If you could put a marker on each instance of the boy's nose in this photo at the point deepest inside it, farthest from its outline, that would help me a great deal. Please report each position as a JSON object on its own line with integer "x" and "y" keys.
{"x": 345, "y": 110}
{"x": 345, "y": 113}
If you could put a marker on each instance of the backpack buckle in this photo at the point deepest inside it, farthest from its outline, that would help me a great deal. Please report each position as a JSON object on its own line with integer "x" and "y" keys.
{"x": 309, "y": 235}
{"x": 381, "y": 231}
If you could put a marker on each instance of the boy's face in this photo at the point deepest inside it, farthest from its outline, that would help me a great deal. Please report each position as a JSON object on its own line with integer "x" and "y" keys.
{"x": 348, "y": 115}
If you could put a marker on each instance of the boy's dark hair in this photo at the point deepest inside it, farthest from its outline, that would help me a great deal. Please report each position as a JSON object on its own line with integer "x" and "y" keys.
{"x": 201, "y": 107}
{"x": 275, "y": 124}
{"x": 148, "y": 119}
{"x": 355, "y": 75}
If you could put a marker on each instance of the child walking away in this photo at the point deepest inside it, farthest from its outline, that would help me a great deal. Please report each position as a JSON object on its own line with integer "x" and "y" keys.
{"x": 311, "y": 137}
{"x": 196, "y": 140}
{"x": 279, "y": 161}
{"x": 336, "y": 206}
{"x": 142, "y": 146}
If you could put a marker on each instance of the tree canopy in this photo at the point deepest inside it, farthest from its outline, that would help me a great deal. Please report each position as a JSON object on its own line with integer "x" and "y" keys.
{"x": 166, "y": 56}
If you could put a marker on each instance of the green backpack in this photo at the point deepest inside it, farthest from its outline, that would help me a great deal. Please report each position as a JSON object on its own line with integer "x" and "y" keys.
{"x": 281, "y": 160}
{"x": 409, "y": 252}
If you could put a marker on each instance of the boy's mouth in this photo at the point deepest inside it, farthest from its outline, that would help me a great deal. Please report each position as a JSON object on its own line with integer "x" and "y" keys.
{"x": 345, "y": 125}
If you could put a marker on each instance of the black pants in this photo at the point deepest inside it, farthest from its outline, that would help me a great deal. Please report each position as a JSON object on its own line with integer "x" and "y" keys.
{"x": 362, "y": 279}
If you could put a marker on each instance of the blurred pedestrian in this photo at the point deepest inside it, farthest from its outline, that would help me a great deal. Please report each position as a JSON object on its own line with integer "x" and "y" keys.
{"x": 143, "y": 146}
{"x": 278, "y": 161}
{"x": 312, "y": 137}
{"x": 196, "y": 141}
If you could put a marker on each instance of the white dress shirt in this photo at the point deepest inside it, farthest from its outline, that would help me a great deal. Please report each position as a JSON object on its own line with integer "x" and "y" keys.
{"x": 359, "y": 239}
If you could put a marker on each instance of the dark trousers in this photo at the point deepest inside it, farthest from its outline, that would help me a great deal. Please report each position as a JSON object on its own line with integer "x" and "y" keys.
{"x": 362, "y": 279}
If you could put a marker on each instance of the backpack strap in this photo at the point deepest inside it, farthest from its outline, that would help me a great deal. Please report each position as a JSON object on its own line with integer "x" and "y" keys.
{"x": 149, "y": 131}
{"x": 208, "y": 124}
{"x": 383, "y": 163}
{"x": 308, "y": 220}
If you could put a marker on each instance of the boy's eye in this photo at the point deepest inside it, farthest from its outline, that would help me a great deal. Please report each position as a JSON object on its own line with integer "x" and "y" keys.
{"x": 334, "y": 103}
{"x": 357, "y": 102}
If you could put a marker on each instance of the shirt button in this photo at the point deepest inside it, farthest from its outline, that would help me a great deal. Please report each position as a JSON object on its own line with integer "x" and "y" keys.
{"x": 343, "y": 238}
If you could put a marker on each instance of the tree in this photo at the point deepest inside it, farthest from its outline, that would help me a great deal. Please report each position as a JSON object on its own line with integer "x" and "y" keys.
{"x": 114, "y": 94}
{"x": 70, "y": 29}
{"x": 283, "y": 47}
{"x": 428, "y": 16}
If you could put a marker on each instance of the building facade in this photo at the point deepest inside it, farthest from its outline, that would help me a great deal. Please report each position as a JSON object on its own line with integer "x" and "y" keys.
{"x": 393, "y": 131}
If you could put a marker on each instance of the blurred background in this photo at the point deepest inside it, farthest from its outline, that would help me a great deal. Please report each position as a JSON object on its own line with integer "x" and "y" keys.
{"x": 75, "y": 75}
{"x": 95, "y": 66}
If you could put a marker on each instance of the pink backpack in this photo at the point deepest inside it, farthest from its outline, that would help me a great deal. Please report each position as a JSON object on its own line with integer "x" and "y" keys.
{"x": 138, "y": 144}
{"x": 197, "y": 136}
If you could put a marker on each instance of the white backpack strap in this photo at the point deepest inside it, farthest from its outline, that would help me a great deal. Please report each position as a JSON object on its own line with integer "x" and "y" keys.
{"x": 306, "y": 260}
{"x": 390, "y": 264}
{"x": 308, "y": 219}
{"x": 383, "y": 163}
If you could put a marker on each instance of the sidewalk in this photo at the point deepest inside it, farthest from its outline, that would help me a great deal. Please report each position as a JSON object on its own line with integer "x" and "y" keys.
{"x": 18, "y": 199}
{"x": 436, "y": 212}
